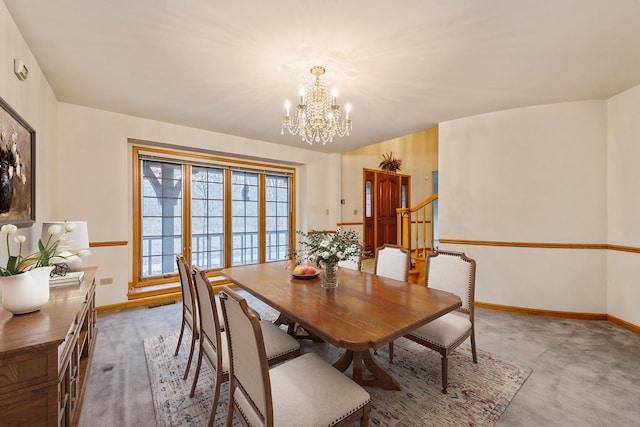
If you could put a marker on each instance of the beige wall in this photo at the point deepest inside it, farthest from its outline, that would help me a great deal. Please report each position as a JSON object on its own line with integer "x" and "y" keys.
{"x": 623, "y": 204}
{"x": 35, "y": 102}
{"x": 536, "y": 175}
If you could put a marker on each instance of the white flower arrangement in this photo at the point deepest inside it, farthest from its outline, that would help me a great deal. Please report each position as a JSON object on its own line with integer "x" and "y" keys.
{"x": 48, "y": 251}
{"x": 321, "y": 247}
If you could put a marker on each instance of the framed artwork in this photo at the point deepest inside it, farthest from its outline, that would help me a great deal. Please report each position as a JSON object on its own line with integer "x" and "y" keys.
{"x": 17, "y": 169}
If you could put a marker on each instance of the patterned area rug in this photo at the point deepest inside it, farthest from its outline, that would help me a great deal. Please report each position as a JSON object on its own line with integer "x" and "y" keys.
{"x": 477, "y": 393}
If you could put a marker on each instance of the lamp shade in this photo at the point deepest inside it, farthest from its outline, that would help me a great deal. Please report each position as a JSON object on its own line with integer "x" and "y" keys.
{"x": 76, "y": 240}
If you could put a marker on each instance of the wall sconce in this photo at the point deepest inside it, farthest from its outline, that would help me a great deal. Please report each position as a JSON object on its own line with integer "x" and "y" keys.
{"x": 19, "y": 69}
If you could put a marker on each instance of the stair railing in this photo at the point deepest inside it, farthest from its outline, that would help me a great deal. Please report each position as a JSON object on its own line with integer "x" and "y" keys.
{"x": 415, "y": 227}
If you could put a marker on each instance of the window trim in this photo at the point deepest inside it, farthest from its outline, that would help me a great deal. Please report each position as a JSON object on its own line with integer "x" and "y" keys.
{"x": 143, "y": 152}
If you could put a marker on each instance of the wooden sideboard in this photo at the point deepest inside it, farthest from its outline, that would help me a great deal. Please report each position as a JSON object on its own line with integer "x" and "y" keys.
{"x": 45, "y": 357}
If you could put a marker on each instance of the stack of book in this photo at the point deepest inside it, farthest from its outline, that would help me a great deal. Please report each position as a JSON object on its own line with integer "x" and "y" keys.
{"x": 72, "y": 278}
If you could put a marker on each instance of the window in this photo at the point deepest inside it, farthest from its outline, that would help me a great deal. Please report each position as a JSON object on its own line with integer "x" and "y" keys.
{"x": 245, "y": 201}
{"x": 277, "y": 227}
{"x": 207, "y": 217}
{"x": 403, "y": 196}
{"x": 216, "y": 213}
{"x": 368, "y": 199}
{"x": 161, "y": 217}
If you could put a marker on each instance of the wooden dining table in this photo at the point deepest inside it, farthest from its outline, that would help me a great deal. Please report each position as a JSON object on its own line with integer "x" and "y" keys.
{"x": 364, "y": 312}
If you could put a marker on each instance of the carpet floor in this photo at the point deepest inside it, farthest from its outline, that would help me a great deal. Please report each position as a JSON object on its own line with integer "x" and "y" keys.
{"x": 477, "y": 393}
{"x": 585, "y": 372}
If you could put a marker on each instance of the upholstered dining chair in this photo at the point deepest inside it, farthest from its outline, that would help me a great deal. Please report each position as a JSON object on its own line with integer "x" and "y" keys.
{"x": 353, "y": 263}
{"x": 189, "y": 311}
{"x": 212, "y": 345}
{"x": 213, "y": 341}
{"x": 453, "y": 272}
{"x": 392, "y": 261}
{"x": 305, "y": 391}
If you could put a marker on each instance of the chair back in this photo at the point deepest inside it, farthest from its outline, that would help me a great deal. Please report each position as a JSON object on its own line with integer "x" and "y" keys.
{"x": 209, "y": 321}
{"x": 188, "y": 297}
{"x": 353, "y": 263}
{"x": 392, "y": 261}
{"x": 249, "y": 383}
{"x": 453, "y": 272}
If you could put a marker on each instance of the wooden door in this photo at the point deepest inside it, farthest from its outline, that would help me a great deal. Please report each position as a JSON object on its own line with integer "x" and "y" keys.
{"x": 388, "y": 199}
{"x": 383, "y": 194}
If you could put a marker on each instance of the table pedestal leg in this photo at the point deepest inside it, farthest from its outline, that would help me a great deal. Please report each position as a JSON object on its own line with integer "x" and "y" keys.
{"x": 379, "y": 377}
{"x": 291, "y": 329}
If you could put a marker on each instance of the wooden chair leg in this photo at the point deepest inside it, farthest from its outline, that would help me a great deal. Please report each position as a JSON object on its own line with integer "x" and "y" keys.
{"x": 193, "y": 347}
{"x": 364, "y": 421}
{"x": 473, "y": 347}
{"x": 216, "y": 398}
{"x": 179, "y": 339}
{"x": 230, "y": 409}
{"x": 196, "y": 375}
{"x": 445, "y": 364}
{"x": 391, "y": 352}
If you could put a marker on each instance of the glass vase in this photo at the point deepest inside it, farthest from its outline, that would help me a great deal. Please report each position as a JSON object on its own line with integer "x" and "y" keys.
{"x": 330, "y": 276}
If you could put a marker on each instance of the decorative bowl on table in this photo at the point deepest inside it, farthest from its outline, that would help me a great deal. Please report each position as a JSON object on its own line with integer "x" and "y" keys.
{"x": 305, "y": 272}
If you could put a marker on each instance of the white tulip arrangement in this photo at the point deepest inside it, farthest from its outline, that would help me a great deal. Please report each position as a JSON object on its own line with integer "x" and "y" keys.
{"x": 47, "y": 251}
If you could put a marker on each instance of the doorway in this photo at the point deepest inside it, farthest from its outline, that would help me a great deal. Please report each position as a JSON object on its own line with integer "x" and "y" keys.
{"x": 383, "y": 194}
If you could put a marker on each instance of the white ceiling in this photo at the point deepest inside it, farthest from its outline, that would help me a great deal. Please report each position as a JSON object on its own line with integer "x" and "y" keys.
{"x": 405, "y": 66}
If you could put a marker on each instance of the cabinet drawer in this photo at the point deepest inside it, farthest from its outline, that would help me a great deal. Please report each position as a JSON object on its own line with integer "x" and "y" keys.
{"x": 33, "y": 408}
{"x": 22, "y": 370}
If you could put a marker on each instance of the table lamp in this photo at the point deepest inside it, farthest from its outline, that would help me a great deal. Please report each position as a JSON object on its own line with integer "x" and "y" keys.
{"x": 75, "y": 241}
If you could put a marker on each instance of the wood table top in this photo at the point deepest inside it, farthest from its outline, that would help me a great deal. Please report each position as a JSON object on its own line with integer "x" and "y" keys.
{"x": 364, "y": 311}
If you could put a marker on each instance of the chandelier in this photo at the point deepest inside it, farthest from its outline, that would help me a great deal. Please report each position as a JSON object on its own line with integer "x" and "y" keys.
{"x": 318, "y": 116}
